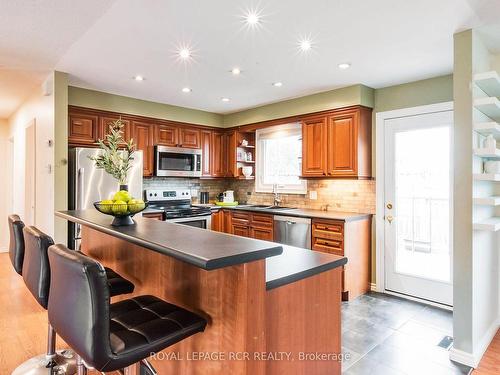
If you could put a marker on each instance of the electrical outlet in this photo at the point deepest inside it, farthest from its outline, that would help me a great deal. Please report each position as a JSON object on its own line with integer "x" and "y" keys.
{"x": 313, "y": 195}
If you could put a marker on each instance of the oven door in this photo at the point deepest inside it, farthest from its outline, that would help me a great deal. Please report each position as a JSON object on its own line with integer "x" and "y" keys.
{"x": 177, "y": 162}
{"x": 204, "y": 222}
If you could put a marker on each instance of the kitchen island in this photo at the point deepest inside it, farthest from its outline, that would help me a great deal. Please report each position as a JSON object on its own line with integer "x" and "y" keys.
{"x": 271, "y": 309}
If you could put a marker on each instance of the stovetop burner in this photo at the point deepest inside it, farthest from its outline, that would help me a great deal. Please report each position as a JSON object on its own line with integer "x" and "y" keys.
{"x": 175, "y": 203}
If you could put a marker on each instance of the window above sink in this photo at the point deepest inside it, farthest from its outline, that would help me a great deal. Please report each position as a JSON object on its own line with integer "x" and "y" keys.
{"x": 279, "y": 159}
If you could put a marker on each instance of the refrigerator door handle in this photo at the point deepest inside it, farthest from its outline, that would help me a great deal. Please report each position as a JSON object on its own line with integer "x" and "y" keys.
{"x": 80, "y": 188}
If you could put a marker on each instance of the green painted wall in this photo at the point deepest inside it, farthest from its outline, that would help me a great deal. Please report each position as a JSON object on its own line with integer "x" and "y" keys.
{"x": 343, "y": 97}
{"x": 413, "y": 94}
{"x": 117, "y": 103}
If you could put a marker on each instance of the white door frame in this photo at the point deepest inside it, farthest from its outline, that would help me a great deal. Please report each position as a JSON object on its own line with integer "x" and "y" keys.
{"x": 380, "y": 119}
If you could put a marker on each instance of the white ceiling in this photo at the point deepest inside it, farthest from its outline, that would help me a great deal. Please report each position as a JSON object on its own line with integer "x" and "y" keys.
{"x": 34, "y": 34}
{"x": 387, "y": 41}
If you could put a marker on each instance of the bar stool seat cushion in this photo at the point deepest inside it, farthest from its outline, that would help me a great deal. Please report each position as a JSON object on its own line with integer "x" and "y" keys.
{"x": 145, "y": 324}
{"x": 117, "y": 284}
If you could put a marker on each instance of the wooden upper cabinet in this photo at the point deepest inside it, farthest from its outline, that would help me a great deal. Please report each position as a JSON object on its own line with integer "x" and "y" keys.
{"x": 338, "y": 144}
{"x": 314, "y": 147}
{"x": 189, "y": 138}
{"x": 349, "y": 143}
{"x": 83, "y": 129}
{"x": 230, "y": 154}
{"x": 142, "y": 133}
{"x": 106, "y": 121}
{"x": 342, "y": 144}
{"x": 166, "y": 135}
{"x": 218, "y": 152}
{"x": 206, "y": 153}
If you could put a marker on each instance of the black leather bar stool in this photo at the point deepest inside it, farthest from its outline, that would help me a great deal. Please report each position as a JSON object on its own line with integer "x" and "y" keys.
{"x": 28, "y": 251}
{"x": 109, "y": 337}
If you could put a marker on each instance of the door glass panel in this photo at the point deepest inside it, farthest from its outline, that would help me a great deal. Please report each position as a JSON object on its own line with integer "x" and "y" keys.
{"x": 422, "y": 197}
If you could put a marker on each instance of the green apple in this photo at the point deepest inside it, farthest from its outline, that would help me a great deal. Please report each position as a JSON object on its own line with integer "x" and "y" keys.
{"x": 120, "y": 207}
{"x": 135, "y": 205}
{"x": 106, "y": 206}
{"x": 122, "y": 195}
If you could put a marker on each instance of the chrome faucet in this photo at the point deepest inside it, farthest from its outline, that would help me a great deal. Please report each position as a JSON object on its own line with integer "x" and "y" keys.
{"x": 277, "y": 198}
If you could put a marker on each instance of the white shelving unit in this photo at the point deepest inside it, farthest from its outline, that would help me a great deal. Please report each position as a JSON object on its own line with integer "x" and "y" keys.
{"x": 488, "y": 201}
{"x": 487, "y": 153}
{"x": 488, "y": 82}
{"x": 491, "y": 224}
{"x": 489, "y": 106}
{"x": 487, "y": 128}
{"x": 487, "y": 177}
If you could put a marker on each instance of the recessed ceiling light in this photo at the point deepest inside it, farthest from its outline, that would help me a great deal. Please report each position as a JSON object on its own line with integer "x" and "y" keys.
{"x": 252, "y": 18}
{"x": 225, "y": 99}
{"x": 236, "y": 71}
{"x": 277, "y": 84}
{"x": 139, "y": 78}
{"x": 186, "y": 89}
{"x": 185, "y": 53}
{"x": 344, "y": 66}
{"x": 305, "y": 45}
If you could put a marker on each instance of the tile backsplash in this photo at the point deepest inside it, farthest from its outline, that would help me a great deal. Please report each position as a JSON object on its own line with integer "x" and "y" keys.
{"x": 339, "y": 195}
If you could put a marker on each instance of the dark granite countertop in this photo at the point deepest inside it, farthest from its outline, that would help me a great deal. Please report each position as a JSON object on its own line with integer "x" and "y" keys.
{"x": 211, "y": 250}
{"x": 200, "y": 247}
{"x": 295, "y": 264}
{"x": 299, "y": 212}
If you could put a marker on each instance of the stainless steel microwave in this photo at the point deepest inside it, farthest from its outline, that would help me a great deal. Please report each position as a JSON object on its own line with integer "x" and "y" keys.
{"x": 177, "y": 162}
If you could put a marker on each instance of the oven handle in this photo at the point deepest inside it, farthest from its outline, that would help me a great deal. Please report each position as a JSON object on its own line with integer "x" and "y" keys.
{"x": 190, "y": 218}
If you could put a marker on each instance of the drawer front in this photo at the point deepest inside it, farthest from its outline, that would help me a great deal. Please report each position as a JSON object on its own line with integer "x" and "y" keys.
{"x": 262, "y": 221}
{"x": 328, "y": 246}
{"x": 261, "y": 234}
{"x": 240, "y": 217}
{"x": 240, "y": 230}
{"x": 328, "y": 229}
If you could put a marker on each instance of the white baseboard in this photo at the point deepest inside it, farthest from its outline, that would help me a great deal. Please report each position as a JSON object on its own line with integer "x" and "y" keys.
{"x": 373, "y": 287}
{"x": 473, "y": 359}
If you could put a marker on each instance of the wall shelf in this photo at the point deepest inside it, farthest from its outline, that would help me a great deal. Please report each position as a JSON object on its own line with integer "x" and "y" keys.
{"x": 488, "y": 201}
{"x": 487, "y": 152}
{"x": 487, "y": 128}
{"x": 486, "y": 177}
{"x": 489, "y": 82}
{"x": 489, "y": 106}
{"x": 492, "y": 224}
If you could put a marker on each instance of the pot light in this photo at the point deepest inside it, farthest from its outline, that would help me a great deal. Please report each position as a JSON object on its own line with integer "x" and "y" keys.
{"x": 185, "y": 53}
{"x": 236, "y": 71}
{"x": 305, "y": 45}
{"x": 225, "y": 99}
{"x": 186, "y": 90}
{"x": 278, "y": 84}
{"x": 139, "y": 78}
{"x": 344, "y": 66}
{"x": 252, "y": 18}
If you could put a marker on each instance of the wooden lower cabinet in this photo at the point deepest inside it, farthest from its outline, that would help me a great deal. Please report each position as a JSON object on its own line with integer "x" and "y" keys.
{"x": 245, "y": 224}
{"x": 351, "y": 239}
{"x": 153, "y": 215}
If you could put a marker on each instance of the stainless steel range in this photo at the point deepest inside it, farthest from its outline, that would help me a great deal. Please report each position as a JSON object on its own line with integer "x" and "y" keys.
{"x": 176, "y": 204}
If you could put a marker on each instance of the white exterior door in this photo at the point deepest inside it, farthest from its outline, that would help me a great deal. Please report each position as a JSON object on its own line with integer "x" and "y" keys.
{"x": 418, "y": 206}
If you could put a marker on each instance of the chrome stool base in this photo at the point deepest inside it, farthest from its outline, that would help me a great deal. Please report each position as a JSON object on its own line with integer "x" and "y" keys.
{"x": 63, "y": 363}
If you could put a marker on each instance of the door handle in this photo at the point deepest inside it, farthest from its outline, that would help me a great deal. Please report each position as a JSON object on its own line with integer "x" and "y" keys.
{"x": 291, "y": 222}
{"x": 389, "y": 206}
{"x": 389, "y": 218}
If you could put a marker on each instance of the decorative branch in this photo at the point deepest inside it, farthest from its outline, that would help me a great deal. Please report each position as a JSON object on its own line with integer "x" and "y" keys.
{"x": 112, "y": 160}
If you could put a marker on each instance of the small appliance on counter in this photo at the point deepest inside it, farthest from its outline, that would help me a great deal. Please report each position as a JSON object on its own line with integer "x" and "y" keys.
{"x": 228, "y": 196}
{"x": 204, "y": 197}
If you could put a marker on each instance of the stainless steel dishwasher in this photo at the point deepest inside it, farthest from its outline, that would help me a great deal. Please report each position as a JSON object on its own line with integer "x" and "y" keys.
{"x": 293, "y": 231}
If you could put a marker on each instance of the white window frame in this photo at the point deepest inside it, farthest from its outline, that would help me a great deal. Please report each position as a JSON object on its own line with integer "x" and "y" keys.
{"x": 268, "y": 188}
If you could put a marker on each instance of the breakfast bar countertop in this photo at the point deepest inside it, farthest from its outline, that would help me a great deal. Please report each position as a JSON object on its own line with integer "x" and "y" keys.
{"x": 200, "y": 247}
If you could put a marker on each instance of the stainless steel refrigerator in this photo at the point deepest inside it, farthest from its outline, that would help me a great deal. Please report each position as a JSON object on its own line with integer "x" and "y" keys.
{"x": 87, "y": 185}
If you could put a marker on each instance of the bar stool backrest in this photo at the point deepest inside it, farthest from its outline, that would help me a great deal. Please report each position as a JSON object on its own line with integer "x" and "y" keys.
{"x": 36, "y": 269}
{"x": 79, "y": 304}
{"x": 16, "y": 244}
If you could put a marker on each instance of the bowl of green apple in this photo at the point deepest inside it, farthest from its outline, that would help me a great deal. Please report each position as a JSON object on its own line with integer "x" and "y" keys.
{"x": 122, "y": 207}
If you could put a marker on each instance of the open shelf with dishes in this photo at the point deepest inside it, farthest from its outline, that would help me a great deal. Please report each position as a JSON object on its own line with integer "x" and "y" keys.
{"x": 245, "y": 155}
{"x": 488, "y": 128}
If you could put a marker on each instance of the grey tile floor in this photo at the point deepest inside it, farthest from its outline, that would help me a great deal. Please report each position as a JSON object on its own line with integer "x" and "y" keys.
{"x": 392, "y": 336}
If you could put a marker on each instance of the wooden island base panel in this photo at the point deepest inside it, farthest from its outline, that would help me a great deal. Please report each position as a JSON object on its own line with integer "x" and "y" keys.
{"x": 255, "y": 327}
